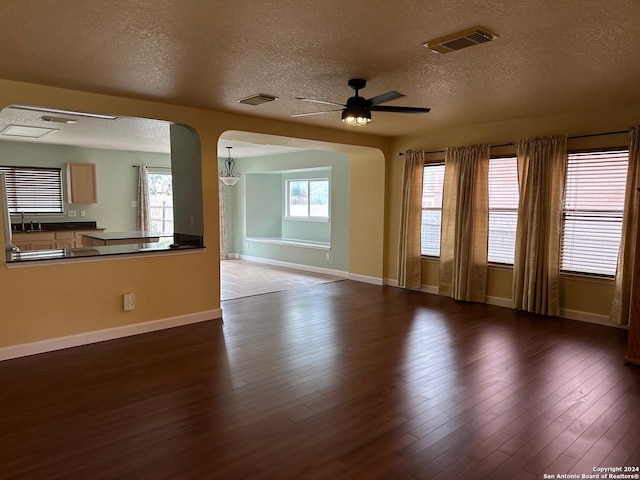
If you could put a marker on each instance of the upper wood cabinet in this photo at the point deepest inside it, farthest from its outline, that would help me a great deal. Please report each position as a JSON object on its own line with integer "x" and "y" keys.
{"x": 81, "y": 183}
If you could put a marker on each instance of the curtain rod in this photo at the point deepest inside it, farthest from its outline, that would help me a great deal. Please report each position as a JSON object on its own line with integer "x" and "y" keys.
{"x": 150, "y": 166}
{"x": 508, "y": 144}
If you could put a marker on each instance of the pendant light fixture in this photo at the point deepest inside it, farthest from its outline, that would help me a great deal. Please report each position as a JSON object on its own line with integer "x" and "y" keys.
{"x": 228, "y": 175}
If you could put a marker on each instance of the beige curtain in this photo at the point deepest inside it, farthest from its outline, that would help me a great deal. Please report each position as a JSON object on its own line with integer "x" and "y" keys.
{"x": 409, "y": 266}
{"x": 465, "y": 219}
{"x": 143, "y": 221}
{"x": 222, "y": 212}
{"x": 627, "y": 253}
{"x": 542, "y": 164}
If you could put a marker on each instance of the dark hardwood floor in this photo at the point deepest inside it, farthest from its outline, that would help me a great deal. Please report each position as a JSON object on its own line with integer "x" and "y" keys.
{"x": 336, "y": 381}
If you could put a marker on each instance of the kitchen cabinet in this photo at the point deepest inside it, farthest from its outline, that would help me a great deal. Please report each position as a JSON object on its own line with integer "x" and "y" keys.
{"x": 81, "y": 183}
{"x": 34, "y": 241}
{"x": 65, "y": 240}
{"x": 49, "y": 240}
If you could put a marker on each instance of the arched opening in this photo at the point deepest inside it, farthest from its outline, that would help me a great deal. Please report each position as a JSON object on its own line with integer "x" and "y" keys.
{"x": 259, "y": 220}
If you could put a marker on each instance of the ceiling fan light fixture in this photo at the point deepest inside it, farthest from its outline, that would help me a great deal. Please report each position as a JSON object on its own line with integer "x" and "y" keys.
{"x": 356, "y": 117}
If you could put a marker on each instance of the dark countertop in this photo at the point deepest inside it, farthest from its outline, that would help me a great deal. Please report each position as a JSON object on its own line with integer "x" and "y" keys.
{"x": 59, "y": 254}
{"x": 54, "y": 226}
{"x": 132, "y": 235}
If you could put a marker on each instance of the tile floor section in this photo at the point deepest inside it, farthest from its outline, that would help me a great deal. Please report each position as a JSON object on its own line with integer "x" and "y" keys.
{"x": 243, "y": 278}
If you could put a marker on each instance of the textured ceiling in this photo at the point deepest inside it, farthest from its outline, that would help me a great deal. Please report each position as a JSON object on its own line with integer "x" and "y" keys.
{"x": 550, "y": 57}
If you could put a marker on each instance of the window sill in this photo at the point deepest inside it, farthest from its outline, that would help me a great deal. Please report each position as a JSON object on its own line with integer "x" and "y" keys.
{"x": 292, "y": 242}
{"x": 585, "y": 277}
{"x": 307, "y": 219}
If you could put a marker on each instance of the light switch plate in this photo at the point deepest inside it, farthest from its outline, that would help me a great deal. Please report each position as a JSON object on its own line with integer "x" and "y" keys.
{"x": 129, "y": 301}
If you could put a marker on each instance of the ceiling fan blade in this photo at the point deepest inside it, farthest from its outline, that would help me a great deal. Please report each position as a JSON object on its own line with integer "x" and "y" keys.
{"x": 382, "y": 108}
{"x": 324, "y": 102}
{"x": 315, "y": 113}
{"x": 385, "y": 97}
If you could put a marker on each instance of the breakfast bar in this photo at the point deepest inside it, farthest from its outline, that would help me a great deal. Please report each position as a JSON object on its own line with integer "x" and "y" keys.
{"x": 99, "y": 239}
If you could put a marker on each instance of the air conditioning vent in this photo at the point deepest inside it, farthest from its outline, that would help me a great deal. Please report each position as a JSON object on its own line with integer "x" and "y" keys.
{"x": 258, "y": 99}
{"x": 460, "y": 40}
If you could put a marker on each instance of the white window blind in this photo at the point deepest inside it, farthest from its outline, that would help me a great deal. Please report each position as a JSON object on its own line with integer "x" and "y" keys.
{"x": 432, "y": 186}
{"x": 503, "y": 209}
{"x": 33, "y": 190}
{"x": 593, "y": 207}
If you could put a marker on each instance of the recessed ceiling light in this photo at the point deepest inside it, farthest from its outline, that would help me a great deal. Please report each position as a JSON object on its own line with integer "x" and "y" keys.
{"x": 24, "y": 131}
{"x": 64, "y": 112}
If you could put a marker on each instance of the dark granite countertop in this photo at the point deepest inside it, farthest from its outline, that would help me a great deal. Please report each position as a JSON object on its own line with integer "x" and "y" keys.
{"x": 53, "y": 226}
{"x": 59, "y": 254}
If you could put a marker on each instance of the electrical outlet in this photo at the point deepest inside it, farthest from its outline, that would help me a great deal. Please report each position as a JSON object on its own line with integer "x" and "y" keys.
{"x": 327, "y": 256}
{"x": 71, "y": 213}
{"x": 192, "y": 221}
{"x": 129, "y": 301}
{"x": 83, "y": 213}
{"x": 134, "y": 204}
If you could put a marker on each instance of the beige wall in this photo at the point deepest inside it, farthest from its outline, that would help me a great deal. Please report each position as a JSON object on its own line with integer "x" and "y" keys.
{"x": 584, "y": 296}
{"x": 40, "y": 302}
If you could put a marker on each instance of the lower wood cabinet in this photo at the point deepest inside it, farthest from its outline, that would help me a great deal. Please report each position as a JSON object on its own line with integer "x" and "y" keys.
{"x": 34, "y": 241}
{"x": 48, "y": 240}
{"x": 65, "y": 240}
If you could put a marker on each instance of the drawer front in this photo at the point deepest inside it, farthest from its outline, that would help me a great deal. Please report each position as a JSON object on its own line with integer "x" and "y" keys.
{"x": 64, "y": 235}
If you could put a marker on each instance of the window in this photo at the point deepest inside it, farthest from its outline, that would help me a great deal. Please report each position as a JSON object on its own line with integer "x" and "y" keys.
{"x": 160, "y": 202}
{"x": 503, "y": 209}
{"x": 432, "y": 185}
{"x": 33, "y": 190}
{"x": 307, "y": 198}
{"x": 593, "y": 207}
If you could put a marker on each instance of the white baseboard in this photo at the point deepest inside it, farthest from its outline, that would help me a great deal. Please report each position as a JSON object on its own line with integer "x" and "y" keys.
{"x": 311, "y": 268}
{"x": 15, "y": 351}
{"x": 508, "y": 303}
{"x": 433, "y": 289}
{"x": 500, "y": 301}
{"x": 589, "y": 317}
{"x": 296, "y": 266}
{"x": 365, "y": 279}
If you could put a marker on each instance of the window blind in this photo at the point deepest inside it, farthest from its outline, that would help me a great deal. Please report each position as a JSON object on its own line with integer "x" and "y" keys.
{"x": 33, "y": 190}
{"x": 503, "y": 209}
{"x": 432, "y": 186}
{"x": 593, "y": 208}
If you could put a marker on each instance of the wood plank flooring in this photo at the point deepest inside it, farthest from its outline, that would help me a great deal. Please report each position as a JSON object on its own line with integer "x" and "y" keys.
{"x": 342, "y": 380}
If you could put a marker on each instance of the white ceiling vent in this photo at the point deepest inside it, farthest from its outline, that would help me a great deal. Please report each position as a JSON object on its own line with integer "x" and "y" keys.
{"x": 258, "y": 99}
{"x": 460, "y": 40}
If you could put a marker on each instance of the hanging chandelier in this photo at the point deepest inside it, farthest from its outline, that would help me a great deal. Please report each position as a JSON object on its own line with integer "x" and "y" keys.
{"x": 228, "y": 175}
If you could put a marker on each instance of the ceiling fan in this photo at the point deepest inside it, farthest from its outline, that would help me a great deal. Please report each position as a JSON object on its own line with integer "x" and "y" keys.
{"x": 357, "y": 111}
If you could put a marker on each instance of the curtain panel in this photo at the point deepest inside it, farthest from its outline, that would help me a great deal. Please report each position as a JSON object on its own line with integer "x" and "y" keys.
{"x": 542, "y": 164}
{"x": 222, "y": 216}
{"x": 627, "y": 253}
{"x": 465, "y": 219}
{"x": 409, "y": 260}
{"x": 143, "y": 223}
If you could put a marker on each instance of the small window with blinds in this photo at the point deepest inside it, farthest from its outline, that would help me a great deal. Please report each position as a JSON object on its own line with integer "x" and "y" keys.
{"x": 432, "y": 186}
{"x": 593, "y": 207}
{"x": 503, "y": 209}
{"x": 33, "y": 190}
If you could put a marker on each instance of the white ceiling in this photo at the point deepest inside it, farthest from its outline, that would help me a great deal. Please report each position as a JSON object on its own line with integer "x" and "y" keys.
{"x": 551, "y": 56}
{"x": 122, "y": 133}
